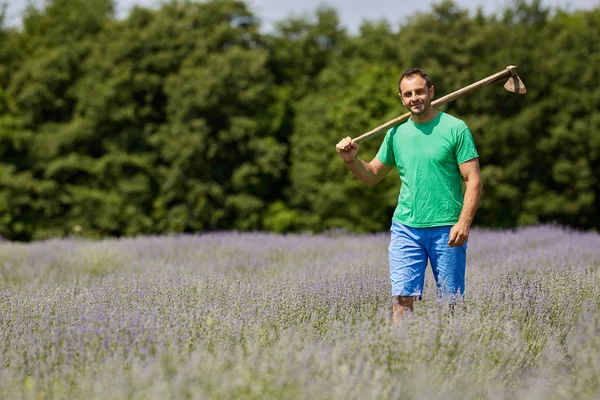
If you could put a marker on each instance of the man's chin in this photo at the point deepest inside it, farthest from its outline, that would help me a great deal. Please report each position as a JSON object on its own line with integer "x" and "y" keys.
{"x": 418, "y": 110}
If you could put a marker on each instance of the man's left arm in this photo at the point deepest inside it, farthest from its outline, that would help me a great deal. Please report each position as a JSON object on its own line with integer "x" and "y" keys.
{"x": 470, "y": 173}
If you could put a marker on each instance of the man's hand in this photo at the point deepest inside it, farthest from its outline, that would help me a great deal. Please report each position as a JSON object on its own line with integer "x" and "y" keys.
{"x": 459, "y": 234}
{"x": 347, "y": 149}
{"x": 470, "y": 173}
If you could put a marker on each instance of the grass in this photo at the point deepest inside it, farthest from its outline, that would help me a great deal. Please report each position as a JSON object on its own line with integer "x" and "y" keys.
{"x": 262, "y": 316}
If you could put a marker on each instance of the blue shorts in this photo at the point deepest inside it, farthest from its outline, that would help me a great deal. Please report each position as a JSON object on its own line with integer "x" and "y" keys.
{"x": 411, "y": 248}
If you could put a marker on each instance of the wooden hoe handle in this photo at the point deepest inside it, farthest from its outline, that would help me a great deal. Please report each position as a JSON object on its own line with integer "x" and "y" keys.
{"x": 514, "y": 84}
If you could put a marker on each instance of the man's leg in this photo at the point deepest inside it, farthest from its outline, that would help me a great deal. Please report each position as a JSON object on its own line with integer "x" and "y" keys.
{"x": 448, "y": 265}
{"x": 400, "y": 306}
{"x": 408, "y": 260}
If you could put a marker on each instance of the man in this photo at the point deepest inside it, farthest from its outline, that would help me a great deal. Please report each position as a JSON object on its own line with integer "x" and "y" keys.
{"x": 434, "y": 154}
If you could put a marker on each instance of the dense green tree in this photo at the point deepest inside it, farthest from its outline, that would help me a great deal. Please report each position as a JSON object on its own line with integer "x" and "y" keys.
{"x": 538, "y": 151}
{"x": 53, "y": 45}
{"x": 188, "y": 118}
{"x": 301, "y": 47}
{"x": 187, "y": 89}
{"x": 568, "y": 188}
{"x": 353, "y": 99}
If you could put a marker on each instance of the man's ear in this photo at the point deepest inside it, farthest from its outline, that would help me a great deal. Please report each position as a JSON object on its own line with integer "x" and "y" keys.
{"x": 431, "y": 91}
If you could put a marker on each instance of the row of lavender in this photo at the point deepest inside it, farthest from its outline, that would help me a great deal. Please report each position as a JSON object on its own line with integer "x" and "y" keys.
{"x": 232, "y": 315}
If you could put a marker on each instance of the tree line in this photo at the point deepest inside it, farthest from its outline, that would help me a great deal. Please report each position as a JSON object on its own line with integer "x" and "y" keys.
{"x": 191, "y": 117}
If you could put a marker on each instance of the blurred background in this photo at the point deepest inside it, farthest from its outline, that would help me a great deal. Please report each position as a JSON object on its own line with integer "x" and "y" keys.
{"x": 124, "y": 118}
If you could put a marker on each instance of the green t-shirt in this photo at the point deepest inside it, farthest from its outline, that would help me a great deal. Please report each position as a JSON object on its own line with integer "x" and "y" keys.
{"x": 427, "y": 157}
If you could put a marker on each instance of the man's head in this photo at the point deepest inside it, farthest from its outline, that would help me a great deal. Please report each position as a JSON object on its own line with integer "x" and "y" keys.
{"x": 415, "y": 90}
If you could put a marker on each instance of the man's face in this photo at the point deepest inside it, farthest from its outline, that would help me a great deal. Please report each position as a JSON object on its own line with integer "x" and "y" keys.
{"x": 415, "y": 95}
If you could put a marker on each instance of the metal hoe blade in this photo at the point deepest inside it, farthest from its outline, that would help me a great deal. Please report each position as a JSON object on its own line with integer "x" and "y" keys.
{"x": 514, "y": 83}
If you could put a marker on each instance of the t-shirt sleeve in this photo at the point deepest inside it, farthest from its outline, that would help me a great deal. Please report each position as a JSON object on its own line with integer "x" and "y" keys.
{"x": 465, "y": 147}
{"x": 386, "y": 150}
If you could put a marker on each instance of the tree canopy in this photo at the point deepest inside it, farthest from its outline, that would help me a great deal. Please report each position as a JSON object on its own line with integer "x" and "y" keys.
{"x": 189, "y": 117}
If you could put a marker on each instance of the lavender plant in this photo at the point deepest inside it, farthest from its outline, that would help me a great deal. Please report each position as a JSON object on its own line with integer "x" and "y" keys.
{"x": 263, "y": 316}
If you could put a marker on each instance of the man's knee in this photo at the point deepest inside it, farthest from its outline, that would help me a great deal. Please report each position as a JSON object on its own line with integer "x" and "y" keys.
{"x": 403, "y": 301}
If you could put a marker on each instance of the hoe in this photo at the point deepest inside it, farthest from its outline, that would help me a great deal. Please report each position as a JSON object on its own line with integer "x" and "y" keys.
{"x": 514, "y": 84}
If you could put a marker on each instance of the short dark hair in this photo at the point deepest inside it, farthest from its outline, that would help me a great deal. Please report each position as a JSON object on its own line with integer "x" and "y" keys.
{"x": 410, "y": 72}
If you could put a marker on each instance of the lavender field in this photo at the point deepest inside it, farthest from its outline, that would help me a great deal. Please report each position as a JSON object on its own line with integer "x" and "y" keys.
{"x": 260, "y": 316}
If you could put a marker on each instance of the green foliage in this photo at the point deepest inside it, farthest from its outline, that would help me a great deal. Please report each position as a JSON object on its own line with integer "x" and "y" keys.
{"x": 351, "y": 99}
{"x": 187, "y": 118}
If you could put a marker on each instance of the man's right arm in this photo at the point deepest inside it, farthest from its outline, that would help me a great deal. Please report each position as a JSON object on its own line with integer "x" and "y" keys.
{"x": 368, "y": 172}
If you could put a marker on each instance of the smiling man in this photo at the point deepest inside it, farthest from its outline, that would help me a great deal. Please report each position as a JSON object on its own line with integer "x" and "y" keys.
{"x": 434, "y": 153}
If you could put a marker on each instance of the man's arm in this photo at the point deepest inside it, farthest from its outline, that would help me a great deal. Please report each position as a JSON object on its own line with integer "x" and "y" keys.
{"x": 368, "y": 172}
{"x": 470, "y": 173}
